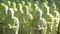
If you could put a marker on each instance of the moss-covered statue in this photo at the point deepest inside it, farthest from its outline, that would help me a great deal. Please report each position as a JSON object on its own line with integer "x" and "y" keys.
{"x": 42, "y": 24}
{"x": 11, "y": 23}
{"x": 3, "y": 15}
{"x": 55, "y": 19}
{"x": 15, "y": 25}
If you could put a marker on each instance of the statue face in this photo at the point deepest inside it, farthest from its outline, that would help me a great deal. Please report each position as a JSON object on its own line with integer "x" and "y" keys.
{"x": 35, "y": 7}
{"x": 9, "y": 13}
{"x": 53, "y": 7}
{"x": 38, "y": 14}
{"x": 25, "y": 10}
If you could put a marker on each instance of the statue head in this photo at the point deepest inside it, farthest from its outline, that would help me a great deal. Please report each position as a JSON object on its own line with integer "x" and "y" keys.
{"x": 39, "y": 12}
{"x": 10, "y": 12}
{"x": 45, "y": 3}
{"x": 53, "y": 7}
{"x": 23, "y": 3}
{"x": 35, "y": 7}
{"x": 29, "y": 4}
{"x": 20, "y": 6}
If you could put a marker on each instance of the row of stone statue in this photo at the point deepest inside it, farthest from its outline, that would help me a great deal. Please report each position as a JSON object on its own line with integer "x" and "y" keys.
{"x": 18, "y": 18}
